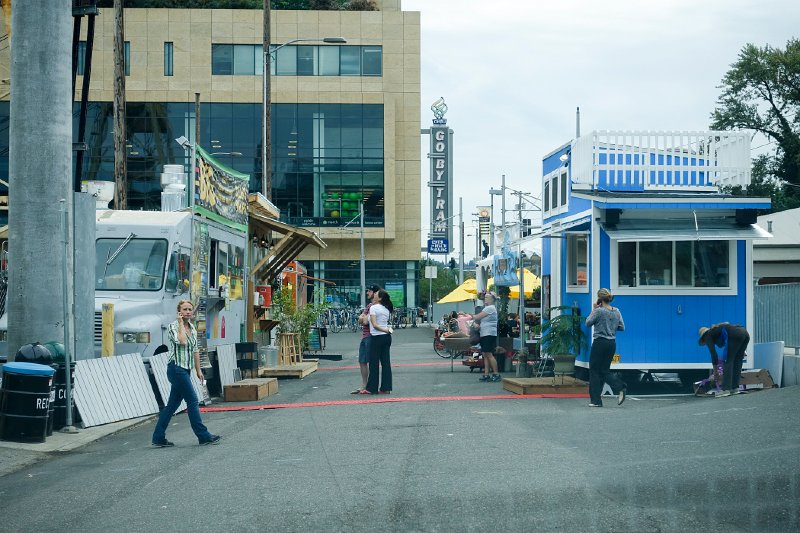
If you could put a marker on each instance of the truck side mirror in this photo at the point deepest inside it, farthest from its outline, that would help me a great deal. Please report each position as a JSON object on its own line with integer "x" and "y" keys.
{"x": 172, "y": 284}
{"x": 178, "y": 273}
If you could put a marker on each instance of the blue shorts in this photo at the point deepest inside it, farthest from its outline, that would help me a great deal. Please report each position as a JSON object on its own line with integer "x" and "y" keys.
{"x": 363, "y": 351}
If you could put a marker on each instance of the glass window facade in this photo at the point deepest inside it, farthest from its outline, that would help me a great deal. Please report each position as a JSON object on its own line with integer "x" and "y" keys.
{"x": 326, "y": 158}
{"x": 127, "y": 52}
{"x": 394, "y": 276}
{"x": 168, "y": 67}
{"x": 297, "y": 60}
{"x": 81, "y": 67}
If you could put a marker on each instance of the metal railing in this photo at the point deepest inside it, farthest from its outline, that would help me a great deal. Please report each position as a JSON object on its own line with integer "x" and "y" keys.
{"x": 776, "y": 309}
{"x": 672, "y": 160}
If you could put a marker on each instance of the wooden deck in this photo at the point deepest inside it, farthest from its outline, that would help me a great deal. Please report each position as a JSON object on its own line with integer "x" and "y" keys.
{"x": 546, "y": 385}
{"x": 297, "y": 370}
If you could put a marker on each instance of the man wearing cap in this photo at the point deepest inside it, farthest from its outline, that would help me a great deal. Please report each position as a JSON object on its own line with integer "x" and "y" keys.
{"x": 363, "y": 348}
{"x": 733, "y": 341}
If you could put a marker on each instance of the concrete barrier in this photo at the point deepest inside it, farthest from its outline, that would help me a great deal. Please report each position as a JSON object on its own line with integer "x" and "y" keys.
{"x": 769, "y": 355}
{"x": 791, "y": 370}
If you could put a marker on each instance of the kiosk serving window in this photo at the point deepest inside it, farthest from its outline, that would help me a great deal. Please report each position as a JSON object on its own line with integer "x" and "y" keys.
{"x": 680, "y": 264}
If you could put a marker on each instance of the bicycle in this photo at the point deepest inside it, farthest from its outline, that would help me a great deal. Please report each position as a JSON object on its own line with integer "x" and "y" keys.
{"x": 352, "y": 320}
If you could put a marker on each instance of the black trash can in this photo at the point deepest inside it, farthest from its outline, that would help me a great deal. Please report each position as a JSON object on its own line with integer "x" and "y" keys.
{"x": 25, "y": 402}
{"x": 60, "y": 400}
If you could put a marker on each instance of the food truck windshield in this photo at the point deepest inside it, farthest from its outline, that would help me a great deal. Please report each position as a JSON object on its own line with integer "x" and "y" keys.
{"x": 130, "y": 264}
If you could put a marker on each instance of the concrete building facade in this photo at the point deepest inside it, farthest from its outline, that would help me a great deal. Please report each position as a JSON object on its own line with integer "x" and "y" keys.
{"x": 345, "y": 122}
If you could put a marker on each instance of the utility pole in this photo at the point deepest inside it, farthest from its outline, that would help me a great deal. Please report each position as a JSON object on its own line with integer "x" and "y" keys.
{"x": 461, "y": 239}
{"x": 120, "y": 138}
{"x": 521, "y": 274}
{"x": 40, "y": 166}
{"x": 266, "y": 118}
{"x": 503, "y": 208}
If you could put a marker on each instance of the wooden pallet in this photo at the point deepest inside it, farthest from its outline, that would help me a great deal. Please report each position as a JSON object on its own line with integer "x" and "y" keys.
{"x": 297, "y": 370}
{"x": 545, "y": 385}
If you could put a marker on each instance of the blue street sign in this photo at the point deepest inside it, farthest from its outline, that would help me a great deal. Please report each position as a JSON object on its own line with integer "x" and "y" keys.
{"x": 438, "y": 246}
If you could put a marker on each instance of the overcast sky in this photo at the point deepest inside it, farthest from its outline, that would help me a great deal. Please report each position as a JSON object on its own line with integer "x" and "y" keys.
{"x": 513, "y": 71}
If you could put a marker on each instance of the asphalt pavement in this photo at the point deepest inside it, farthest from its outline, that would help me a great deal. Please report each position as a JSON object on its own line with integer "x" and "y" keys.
{"x": 316, "y": 458}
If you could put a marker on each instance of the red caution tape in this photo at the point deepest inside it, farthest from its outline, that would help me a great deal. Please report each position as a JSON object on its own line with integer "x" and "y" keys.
{"x": 387, "y": 399}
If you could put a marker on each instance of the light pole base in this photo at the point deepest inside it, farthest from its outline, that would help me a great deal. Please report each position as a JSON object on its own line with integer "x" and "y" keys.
{"x": 72, "y": 430}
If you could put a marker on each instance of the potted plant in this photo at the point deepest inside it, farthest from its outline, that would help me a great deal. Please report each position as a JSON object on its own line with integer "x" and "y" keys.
{"x": 294, "y": 319}
{"x": 563, "y": 337}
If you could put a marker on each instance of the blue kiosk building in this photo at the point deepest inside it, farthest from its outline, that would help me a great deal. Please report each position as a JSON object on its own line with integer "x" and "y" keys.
{"x": 641, "y": 213}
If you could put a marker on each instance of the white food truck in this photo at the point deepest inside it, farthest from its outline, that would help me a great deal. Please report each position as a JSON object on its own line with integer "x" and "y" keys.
{"x": 146, "y": 262}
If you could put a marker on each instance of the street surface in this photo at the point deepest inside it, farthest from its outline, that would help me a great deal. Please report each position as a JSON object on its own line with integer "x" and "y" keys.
{"x": 655, "y": 464}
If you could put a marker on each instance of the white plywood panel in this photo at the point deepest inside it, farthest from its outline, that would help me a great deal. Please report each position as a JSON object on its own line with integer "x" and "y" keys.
{"x": 110, "y": 389}
{"x": 158, "y": 364}
{"x": 226, "y": 355}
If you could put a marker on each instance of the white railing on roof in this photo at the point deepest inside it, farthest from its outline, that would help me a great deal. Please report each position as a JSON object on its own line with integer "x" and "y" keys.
{"x": 671, "y": 160}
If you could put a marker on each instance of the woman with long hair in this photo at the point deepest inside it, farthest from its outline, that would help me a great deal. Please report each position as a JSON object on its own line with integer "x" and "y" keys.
{"x": 607, "y": 321}
{"x": 379, "y": 344}
{"x": 183, "y": 359}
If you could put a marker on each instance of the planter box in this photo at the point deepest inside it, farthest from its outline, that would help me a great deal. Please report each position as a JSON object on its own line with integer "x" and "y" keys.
{"x": 545, "y": 386}
{"x": 249, "y": 390}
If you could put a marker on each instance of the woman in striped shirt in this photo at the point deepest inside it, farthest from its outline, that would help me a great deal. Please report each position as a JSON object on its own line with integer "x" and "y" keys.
{"x": 183, "y": 357}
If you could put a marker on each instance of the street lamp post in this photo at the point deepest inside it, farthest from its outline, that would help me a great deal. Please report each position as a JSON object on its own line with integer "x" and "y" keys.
{"x": 492, "y": 193}
{"x": 461, "y": 239}
{"x": 266, "y": 117}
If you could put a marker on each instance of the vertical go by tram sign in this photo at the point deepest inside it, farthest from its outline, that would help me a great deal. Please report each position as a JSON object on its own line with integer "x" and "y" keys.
{"x": 441, "y": 179}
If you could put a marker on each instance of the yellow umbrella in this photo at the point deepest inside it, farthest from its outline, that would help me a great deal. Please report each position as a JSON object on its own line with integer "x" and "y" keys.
{"x": 461, "y": 293}
{"x": 530, "y": 281}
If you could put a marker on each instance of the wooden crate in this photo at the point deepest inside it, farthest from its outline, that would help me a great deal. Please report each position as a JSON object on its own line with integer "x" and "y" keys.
{"x": 248, "y": 390}
{"x": 297, "y": 370}
{"x": 545, "y": 385}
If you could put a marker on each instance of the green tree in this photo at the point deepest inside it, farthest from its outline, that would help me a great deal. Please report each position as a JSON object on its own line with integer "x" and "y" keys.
{"x": 764, "y": 184}
{"x": 442, "y": 285}
{"x": 761, "y": 91}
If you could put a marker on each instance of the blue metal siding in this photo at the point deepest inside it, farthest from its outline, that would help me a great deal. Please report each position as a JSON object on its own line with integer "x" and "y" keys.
{"x": 552, "y": 162}
{"x": 663, "y": 329}
{"x": 576, "y": 205}
{"x": 655, "y": 332}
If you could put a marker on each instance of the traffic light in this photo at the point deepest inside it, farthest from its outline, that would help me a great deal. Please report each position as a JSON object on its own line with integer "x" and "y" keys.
{"x": 452, "y": 263}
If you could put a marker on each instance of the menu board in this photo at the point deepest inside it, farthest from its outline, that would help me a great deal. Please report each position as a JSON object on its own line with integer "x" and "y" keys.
{"x": 314, "y": 340}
